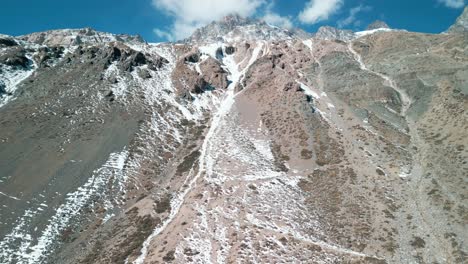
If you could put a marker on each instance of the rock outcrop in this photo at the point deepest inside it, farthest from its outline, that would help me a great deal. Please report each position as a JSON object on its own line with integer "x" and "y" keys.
{"x": 461, "y": 25}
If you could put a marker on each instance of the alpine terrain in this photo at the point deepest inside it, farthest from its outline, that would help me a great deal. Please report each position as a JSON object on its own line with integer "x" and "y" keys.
{"x": 244, "y": 143}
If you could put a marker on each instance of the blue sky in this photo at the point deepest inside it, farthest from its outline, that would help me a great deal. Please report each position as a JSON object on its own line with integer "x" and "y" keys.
{"x": 159, "y": 20}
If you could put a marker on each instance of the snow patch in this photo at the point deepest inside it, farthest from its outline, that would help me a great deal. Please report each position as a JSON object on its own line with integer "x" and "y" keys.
{"x": 18, "y": 246}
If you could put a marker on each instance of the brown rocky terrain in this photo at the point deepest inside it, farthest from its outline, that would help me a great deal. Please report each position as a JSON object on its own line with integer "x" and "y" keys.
{"x": 340, "y": 147}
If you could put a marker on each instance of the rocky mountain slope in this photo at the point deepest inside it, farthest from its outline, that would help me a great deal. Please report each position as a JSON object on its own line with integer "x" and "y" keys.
{"x": 461, "y": 25}
{"x": 243, "y": 143}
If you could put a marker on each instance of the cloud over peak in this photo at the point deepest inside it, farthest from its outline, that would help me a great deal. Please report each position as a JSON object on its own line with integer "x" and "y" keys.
{"x": 191, "y": 14}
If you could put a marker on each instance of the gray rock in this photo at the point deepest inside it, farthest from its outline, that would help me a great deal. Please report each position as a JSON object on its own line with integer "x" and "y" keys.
{"x": 461, "y": 25}
{"x": 144, "y": 73}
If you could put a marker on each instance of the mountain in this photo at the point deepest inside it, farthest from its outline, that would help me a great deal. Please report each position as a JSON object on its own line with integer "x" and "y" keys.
{"x": 377, "y": 24}
{"x": 331, "y": 33}
{"x": 461, "y": 25}
{"x": 236, "y": 28}
{"x": 243, "y": 143}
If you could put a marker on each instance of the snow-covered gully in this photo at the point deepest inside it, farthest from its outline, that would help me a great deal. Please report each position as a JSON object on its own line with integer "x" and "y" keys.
{"x": 234, "y": 161}
{"x": 11, "y": 78}
{"x": 204, "y": 165}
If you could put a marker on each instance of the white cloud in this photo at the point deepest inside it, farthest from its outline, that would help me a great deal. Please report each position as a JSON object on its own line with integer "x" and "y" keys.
{"x": 191, "y": 14}
{"x": 352, "y": 17}
{"x": 162, "y": 34}
{"x": 319, "y": 10}
{"x": 277, "y": 20}
{"x": 453, "y": 3}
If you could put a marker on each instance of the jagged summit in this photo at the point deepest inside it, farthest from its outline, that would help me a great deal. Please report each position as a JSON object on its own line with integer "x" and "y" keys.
{"x": 330, "y": 33}
{"x": 87, "y": 35}
{"x": 377, "y": 24}
{"x": 235, "y": 27}
{"x": 461, "y": 25}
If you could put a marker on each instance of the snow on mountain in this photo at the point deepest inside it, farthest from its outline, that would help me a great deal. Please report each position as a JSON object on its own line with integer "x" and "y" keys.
{"x": 67, "y": 37}
{"x": 243, "y": 143}
{"x": 235, "y": 28}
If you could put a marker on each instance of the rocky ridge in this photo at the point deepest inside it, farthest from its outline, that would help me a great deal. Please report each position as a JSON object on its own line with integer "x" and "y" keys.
{"x": 461, "y": 25}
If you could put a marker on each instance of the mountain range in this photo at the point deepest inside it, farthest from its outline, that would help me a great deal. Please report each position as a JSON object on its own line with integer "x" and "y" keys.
{"x": 244, "y": 143}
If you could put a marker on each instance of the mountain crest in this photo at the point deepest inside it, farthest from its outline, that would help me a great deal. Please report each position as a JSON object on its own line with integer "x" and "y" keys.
{"x": 235, "y": 27}
{"x": 461, "y": 25}
{"x": 331, "y": 33}
{"x": 70, "y": 37}
{"x": 377, "y": 24}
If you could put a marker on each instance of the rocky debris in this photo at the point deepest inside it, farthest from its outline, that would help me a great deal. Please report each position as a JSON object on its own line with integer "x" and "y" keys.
{"x": 14, "y": 56}
{"x": 461, "y": 25}
{"x": 331, "y": 33}
{"x": 377, "y": 24}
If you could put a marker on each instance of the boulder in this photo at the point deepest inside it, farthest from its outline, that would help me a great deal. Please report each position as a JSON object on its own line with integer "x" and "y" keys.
{"x": 144, "y": 73}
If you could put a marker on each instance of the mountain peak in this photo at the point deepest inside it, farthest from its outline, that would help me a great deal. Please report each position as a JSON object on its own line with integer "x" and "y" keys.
{"x": 461, "y": 25}
{"x": 235, "y": 19}
{"x": 234, "y": 27}
{"x": 330, "y": 33}
{"x": 377, "y": 24}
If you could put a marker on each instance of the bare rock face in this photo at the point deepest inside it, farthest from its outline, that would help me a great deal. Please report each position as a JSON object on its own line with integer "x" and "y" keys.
{"x": 461, "y": 25}
{"x": 214, "y": 73}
